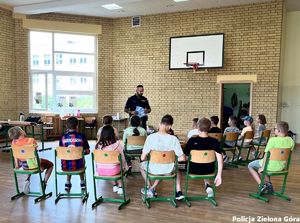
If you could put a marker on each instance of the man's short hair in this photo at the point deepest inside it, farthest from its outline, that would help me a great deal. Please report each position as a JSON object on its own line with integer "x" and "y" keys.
{"x": 72, "y": 123}
{"x": 214, "y": 119}
{"x": 283, "y": 127}
{"x": 204, "y": 124}
{"x": 167, "y": 120}
{"x": 107, "y": 120}
{"x": 140, "y": 86}
{"x": 15, "y": 132}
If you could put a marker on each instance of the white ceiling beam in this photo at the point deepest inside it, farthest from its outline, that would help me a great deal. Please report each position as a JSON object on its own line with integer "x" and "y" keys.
{"x": 65, "y": 5}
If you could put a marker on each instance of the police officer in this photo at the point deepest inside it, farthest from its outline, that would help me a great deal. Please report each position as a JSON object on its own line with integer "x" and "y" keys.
{"x": 138, "y": 105}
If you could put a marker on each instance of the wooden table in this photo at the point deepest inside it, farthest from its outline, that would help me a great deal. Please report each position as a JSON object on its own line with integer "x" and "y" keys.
{"x": 24, "y": 125}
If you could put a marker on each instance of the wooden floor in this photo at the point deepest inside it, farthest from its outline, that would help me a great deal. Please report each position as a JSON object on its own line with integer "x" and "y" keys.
{"x": 232, "y": 198}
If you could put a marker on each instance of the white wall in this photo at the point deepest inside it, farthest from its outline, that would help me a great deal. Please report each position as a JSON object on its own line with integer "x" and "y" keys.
{"x": 290, "y": 101}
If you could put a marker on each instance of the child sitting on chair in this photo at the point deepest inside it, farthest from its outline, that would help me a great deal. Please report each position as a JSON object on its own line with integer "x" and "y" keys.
{"x": 19, "y": 138}
{"x": 261, "y": 121}
{"x": 133, "y": 130}
{"x": 282, "y": 141}
{"x": 161, "y": 141}
{"x": 108, "y": 142}
{"x": 194, "y": 131}
{"x": 232, "y": 122}
{"x": 107, "y": 120}
{"x": 214, "y": 120}
{"x": 204, "y": 142}
{"x": 74, "y": 139}
{"x": 248, "y": 128}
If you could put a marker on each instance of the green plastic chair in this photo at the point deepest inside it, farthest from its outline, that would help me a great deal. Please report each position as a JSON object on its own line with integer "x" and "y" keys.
{"x": 200, "y": 156}
{"x": 275, "y": 155}
{"x": 233, "y": 137}
{"x": 243, "y": 146}
{"x": 70, "y": 153}
{"x": 134, "y": 141}
{"x": 24, "y": 153}
{"x": 161, "y": 157}
{"x": 262, "y": 142}
{"x": 108, "y": 157}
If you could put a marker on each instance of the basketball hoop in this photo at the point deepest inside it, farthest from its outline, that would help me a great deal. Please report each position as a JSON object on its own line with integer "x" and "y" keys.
{"x": 194, "y": 66}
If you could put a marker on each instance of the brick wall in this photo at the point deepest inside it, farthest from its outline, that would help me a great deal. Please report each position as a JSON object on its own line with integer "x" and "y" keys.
{"x": 130, "y": 56}
{"x": 7, "y": 66}
{"x": 252, "y": 46}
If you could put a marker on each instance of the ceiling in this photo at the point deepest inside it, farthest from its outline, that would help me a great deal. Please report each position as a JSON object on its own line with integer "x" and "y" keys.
{"x": 129, "y": 7}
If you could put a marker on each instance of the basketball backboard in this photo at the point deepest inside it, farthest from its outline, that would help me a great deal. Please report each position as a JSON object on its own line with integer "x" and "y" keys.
{"x": 206, "y": 50}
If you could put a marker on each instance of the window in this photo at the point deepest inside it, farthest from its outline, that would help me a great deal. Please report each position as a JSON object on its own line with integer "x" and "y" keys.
{"x": 83, "y": 60}
{"x": 58, "y": 58}
{"x": 65, "y": 80}
{"x": 72, "y": 60}
{"x": 47, "y": 59}
{"x": 35, "y": 60}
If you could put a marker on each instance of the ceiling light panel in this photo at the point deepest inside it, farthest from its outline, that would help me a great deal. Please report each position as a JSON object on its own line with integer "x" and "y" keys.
{"x": 111, "y": 6}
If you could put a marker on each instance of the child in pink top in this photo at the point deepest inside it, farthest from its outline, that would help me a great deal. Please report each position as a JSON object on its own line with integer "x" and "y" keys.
{"x": 108, "y": 142}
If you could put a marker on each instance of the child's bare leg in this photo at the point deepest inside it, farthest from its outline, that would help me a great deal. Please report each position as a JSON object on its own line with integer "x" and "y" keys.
{"x": 143, "y": 173}
{"x": 48, "y": 173}
{"x": 252, "y": 169}
{"x": 206, "y": 182}
{"x": 113, "y": 182}
{"x": 69, "y": 178}
{"x": 255, "y": 175}
{"x": 178, "y": 181}
{"x": 267, "y": 179}
{"x": 154, "y": 185}
{"x": 119, "y": 183}
{"x": 81, "y": 177}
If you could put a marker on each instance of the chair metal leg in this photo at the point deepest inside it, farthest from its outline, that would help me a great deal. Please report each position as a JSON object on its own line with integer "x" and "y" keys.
{"x": 42, "y": 197}
{"x": 85, "y": 197}
{"x": 124, "y": 203}
{"x": 97, "y": 202}
{"x": 258, "y": 196}
{"x": 173, "y": 202}
{"x": 212, "y": 201}
{"x": 188, "y": 203}
{"x": 18, "y": 195}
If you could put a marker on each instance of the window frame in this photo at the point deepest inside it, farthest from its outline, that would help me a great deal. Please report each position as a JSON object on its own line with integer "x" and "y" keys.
{"x": 54, "y": 108}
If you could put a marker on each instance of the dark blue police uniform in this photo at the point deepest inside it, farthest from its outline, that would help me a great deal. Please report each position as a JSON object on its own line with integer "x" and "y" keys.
{"x": 134, "y": 101}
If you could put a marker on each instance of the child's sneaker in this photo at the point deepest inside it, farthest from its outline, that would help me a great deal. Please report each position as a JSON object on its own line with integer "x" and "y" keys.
{"x": 120, "y": 191}
{"x": 270, "y": 188}
{"x": 82, "y": 185}
{"x": 150, "y": 192}
{"x": 225, "y": 158}
{"x": 115, "y": 188}
{"x": 26, "y": 188}
{"x": 209, "y": 190}
{"x": 68, "y": 186}
{"x": 263, "y": 189}
{"x": 179, "y": 196}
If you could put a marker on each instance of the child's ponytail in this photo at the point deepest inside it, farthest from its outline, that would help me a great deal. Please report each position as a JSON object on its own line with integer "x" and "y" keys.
{"x": 136, "y": 132}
